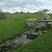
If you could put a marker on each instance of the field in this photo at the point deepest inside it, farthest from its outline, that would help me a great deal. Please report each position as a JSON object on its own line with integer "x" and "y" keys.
{"x": 15, "y": 24}
{"x": 42, "y": 44}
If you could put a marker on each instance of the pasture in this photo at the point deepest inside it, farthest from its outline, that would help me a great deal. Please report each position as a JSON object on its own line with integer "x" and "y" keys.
{"x": 13, "y": 25}
{"x": 41, "y": 44}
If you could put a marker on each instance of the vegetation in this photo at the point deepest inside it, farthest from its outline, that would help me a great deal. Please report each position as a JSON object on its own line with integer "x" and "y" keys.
{"x": 2, "y": 15}
{"x": 13, "y": 25}
{"x": 41, "y": 44}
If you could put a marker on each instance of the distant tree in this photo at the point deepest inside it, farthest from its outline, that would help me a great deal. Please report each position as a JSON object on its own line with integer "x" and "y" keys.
{"x": 22, "y": 12}
{"x": 2, "y": 15}
{"x": 16, "y": 12}
{"x": 28, "y": 12}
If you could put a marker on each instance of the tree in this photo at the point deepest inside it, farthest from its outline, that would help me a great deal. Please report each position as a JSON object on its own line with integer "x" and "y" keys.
{"x": 2, "y": 15}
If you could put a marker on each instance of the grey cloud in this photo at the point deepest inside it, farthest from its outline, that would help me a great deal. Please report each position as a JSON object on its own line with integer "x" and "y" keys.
{"x": 20, "y": 3}
{"x": 27, "y": 5}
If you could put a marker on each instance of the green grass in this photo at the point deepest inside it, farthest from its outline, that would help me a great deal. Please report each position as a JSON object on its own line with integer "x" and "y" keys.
{"x": 13, "y": 25}
{"x": 42, "y": 44}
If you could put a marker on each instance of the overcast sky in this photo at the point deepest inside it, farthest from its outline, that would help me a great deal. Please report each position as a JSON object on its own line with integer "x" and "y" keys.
{"x": 25, "y": 5}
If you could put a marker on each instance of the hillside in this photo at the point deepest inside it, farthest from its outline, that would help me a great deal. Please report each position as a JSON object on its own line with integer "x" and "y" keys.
{"x": 42, "y": 44}
{"x": 13, "y": 25}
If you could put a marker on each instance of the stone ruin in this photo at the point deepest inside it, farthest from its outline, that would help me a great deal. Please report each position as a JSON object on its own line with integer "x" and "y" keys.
{"x": 37, "y": 26}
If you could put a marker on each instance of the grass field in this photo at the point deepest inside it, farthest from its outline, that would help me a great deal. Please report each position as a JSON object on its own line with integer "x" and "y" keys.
{"x": 42, "y": 44}
{"x": 13, "y": 25}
